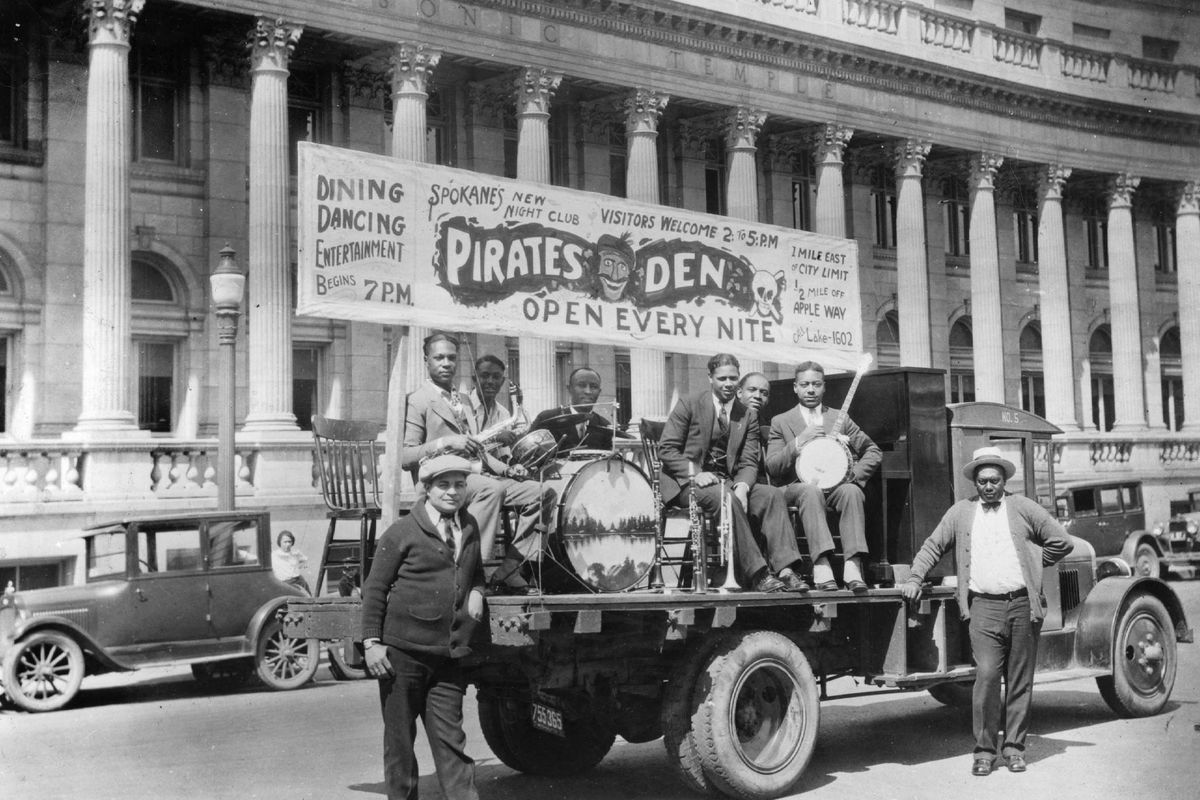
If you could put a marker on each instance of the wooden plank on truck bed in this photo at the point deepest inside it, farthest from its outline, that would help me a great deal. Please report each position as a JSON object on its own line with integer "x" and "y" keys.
{"x": 323, "y": 618}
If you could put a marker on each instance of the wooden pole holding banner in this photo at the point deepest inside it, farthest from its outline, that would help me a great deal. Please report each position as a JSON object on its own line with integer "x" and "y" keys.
{"x": 397, "y": 410}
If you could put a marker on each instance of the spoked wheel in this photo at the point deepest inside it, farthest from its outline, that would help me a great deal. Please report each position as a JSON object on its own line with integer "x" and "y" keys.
{"x": 758, "y": 717}
{"x": 43, "y": 671}
{"x": 283, "y": 662}
{"x": 339, "y": 667}
{"x": 1144, "y": 660}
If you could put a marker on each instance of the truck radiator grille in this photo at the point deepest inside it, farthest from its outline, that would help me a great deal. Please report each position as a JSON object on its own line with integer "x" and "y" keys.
{"x": 1068, "y": 583}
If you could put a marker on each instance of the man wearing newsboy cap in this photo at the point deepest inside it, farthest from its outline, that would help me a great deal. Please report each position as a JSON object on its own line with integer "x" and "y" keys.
{"x": 421, "y": 602}
{"x": 1001, "y": 542}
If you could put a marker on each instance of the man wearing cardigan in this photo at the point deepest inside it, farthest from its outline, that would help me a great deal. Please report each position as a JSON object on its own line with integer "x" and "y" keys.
{"x": 1001, "y": 542}
{"x": 421, "y": 602}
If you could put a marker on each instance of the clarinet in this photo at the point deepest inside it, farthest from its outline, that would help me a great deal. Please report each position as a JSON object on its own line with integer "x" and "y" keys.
{"x": 699, "y": 551}
{"x": 656, "y": 579}
{"x": 725, "y": 532}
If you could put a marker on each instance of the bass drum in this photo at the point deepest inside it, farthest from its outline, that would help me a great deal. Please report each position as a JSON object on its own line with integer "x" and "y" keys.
{"x": 607, "y": 530}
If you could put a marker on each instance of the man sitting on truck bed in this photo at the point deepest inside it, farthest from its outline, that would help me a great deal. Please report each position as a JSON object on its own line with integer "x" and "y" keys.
{"x": 440, "y": 420}
{"x": 715, "y": 436}
{"x": 1000, "y": 592}
{"x": 790, "y": 431}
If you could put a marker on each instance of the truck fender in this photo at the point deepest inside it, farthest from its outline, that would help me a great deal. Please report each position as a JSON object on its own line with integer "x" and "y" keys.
{"x": 1101, "y": 612}
{"x": 1136, "y": 538}
{"x": 92, "y": 650}
{"x": 261, "y": 617}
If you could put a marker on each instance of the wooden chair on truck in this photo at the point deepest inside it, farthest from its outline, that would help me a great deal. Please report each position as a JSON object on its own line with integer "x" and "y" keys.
{"x": 348, "y": 463}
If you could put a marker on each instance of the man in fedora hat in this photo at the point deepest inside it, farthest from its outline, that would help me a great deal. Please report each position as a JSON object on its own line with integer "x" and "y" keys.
{"x": 1001, "y": 542}
{"x": 421, "y": 603}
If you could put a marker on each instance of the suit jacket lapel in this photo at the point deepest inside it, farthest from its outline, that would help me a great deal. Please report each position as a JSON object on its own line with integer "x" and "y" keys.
{"x": 706, "y": 419}
{"x": 441, "y": 406}
{"x": 737, "y": 432}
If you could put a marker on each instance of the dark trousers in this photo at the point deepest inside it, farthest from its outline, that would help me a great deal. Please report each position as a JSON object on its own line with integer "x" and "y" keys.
{"x": 811, "y": 504}
{"x": 1004, "y": 643}
{"x": 766, "y": 529}
{"x": 432, "y": 688}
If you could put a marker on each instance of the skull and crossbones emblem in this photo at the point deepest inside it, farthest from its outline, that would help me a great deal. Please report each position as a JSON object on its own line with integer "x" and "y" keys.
{"x": 765, "y": 288}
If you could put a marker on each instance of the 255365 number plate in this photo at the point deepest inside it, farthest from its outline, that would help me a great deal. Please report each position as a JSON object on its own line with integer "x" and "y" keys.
{"x": 547, "y": 719}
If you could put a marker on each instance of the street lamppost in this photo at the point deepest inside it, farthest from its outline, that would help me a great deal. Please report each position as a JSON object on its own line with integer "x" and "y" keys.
{"x": 228, "y": 285}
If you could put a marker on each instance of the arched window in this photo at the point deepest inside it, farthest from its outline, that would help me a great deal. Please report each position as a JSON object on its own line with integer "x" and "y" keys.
{"x": 149, "y": 284}
{"x": 1170, "y": 364}
{"x": 1033, "y": 391}
{"x": 6, "y": 343}
{"x": 1100, "y": 356}
{"x": 962, "y": 362}
{"x": 160, "y": 322}
{"x": 887, "y": 340}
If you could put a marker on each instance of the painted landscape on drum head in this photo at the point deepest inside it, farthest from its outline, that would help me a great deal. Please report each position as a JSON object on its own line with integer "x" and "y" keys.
{"x": 608, "y": 528}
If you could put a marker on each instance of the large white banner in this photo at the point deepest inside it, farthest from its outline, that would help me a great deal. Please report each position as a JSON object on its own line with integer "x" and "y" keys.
{"x": 398, "y": 242}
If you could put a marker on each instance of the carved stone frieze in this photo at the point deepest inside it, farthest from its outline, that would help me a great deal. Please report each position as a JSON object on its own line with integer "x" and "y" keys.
{"x": 225, "y": 62}
{"x": 489, "y": 102}
{"x": 272, "y": 42}
{"x": 698, "y": 138}
{"x": 595, "y": 121}
{"x": 789, "y": 152}
{"x": 365, "y": 86}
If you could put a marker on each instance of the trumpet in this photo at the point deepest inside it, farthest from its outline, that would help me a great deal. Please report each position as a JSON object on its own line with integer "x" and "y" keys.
{"x": 725, "y": 538}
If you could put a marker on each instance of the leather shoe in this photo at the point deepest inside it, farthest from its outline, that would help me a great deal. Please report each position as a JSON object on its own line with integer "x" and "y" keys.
{"x": 826, "y": 586}
{"x": 858, "y": 587}
{"x": 792, "y": 582}
{"x": 768, "y": 583}
{"x": 1016, "y": 763}
{"x": 982, "y": 767}
{"x": 519, "y": 590}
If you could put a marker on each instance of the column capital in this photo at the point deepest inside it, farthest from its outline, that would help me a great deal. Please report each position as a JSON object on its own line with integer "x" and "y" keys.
{"x": 489, "y": 102}
{"x": 784, "y": 151}
{"x": 1189, "y": 198}
{"x": 535, "y": 86}
{"x": 111, "y": 21}
{"x": 1052, "y": 181}
{"x": 643, "y": 107}
{"x": 412, "y": 66}
{"x": 829, "y": 142}
{"x": 984, "y": 166}
{"x": 272, "y": 41}
{"x": 910, "y": 157}
{"x": 742, "y": 125}
{"x": 1120, "y": 190}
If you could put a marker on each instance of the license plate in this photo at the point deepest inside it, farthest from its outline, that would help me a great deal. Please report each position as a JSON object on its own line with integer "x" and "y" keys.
{"x": 547, "y": 719}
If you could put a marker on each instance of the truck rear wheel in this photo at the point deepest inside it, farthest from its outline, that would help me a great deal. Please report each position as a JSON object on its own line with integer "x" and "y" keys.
{"x": 758, "y": 715}
{"x": 1144, "y": 660}
{"x": 679, "y": 709}
{"x": 955, "y": 695}
{"x": 508, "y": 729}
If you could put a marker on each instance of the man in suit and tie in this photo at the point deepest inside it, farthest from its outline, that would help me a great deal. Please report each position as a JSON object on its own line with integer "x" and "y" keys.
{"x": 754, "y": 390}
{"x": 440, "y": 420}
{"x": 589, "y": 430}
{"x": 711, "y": 440}
{"x": 789, "y": 432}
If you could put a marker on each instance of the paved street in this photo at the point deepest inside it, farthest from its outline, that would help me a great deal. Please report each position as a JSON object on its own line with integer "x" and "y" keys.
{"x": 157, "y": 735}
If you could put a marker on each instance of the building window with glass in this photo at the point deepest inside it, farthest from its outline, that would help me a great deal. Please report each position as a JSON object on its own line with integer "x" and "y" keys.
{"x": 1033, "y": 389}
{"x": 156, "y": 380}
{"x": 439, "y": 126}
{"x": 1170, "y": 356}
{"x": 308, "y": 107}
{"x": 962, "y": 362}
{"x": 5, "y": 343}
{"x": 714, "y": 178}
{"x": 12, "y": 81}
{"x": 1095, "y": 227}
{"x": 306, "y": 384}
{"x": 1025, "y": 226}
{"x": 618, "y": 160}
{"x": 1100, "y": 357}
{"x": 1165, "y": 251}
{"x": 956, "y": 202}
{"x": 887, "y": 340}
{"x": 158, "y": 89}
{"x": 883, "y": 206}
{"x": 154, "y": 302}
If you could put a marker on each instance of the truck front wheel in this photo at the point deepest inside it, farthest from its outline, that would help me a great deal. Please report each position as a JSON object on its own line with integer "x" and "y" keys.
{"x": 758, "y": 716}
{"x": 507, "y": 727}
{"x": 1144, "y": 660}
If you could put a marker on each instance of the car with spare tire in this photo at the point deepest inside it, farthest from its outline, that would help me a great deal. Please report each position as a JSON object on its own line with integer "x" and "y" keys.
{"x": 192, "y": 589}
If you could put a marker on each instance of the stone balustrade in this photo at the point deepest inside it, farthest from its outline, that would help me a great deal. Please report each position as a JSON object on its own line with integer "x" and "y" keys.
{"x": 1087, "y": 65}
{"x": 40, "y": 473}
{"x": 874, "y": 15}
{"x": 1018, "y": 49}
{"x": 952, "y": 33}
{"x": 1152, "y": 76}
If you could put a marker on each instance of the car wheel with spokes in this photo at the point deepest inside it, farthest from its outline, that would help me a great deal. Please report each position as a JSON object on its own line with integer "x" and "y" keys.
{"x": 283, "y": 662}
{"x": 43, "y": 671}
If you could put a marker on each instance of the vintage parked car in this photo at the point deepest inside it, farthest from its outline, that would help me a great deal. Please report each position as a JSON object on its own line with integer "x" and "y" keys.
{"x": 1111, "y": 517}
{"x": 191, "y": 589}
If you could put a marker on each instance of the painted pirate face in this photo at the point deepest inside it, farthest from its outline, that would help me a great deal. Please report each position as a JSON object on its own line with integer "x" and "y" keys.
{"x": 614, "y": 268}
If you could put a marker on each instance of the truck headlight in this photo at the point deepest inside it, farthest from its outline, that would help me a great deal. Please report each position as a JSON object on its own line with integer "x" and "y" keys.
{"x": 1192, "y": 527}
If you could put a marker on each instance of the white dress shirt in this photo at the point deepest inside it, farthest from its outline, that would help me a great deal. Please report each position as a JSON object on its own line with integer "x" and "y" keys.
{"x": 995, "y": 568}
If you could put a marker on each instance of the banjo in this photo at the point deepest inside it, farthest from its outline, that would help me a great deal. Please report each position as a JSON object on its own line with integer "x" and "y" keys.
{"x": 825, "y": 460}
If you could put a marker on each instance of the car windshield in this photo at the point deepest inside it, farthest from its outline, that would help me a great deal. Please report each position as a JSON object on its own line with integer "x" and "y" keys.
{"x": 106, "y": 555}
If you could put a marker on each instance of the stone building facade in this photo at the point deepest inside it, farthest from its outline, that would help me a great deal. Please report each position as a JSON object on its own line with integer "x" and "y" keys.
{"x": 1022, "y": 183}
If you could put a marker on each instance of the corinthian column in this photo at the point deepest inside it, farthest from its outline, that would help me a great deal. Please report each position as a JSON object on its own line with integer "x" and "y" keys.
{"x": 106, "y": 268}
{"x": 912, "y": 271}
{"x": 985, "y": 281}
{"x": 534, "y": 89}
{"x": 1187, "y": 244}
{"x": 412, "y": 66}
{"x": 1129, "y": 394}
{"x": 829, "y": 145}
{"x": 271, "y": 43}
{"x": 648, "y": 368}
{"x": 1058, "y": 366}
{"x": 742, "y": 125}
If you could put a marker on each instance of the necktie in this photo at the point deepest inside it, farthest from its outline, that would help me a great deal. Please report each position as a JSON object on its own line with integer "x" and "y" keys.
{"x": 723, "y": 419}
{"x": 447, "y": 525}
{"x": 992, "y": 506}
{"x": 457, "y": 408}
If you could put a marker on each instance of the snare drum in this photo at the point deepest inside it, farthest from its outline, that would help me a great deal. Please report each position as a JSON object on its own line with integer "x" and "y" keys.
{"x": 607, "y": 526}
{"x": 534, "y": 450}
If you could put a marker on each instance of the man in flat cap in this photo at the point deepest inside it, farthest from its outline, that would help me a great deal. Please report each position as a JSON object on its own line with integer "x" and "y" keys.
{"x": 421, "y": 603}
{"x": 1001, "y": 542}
